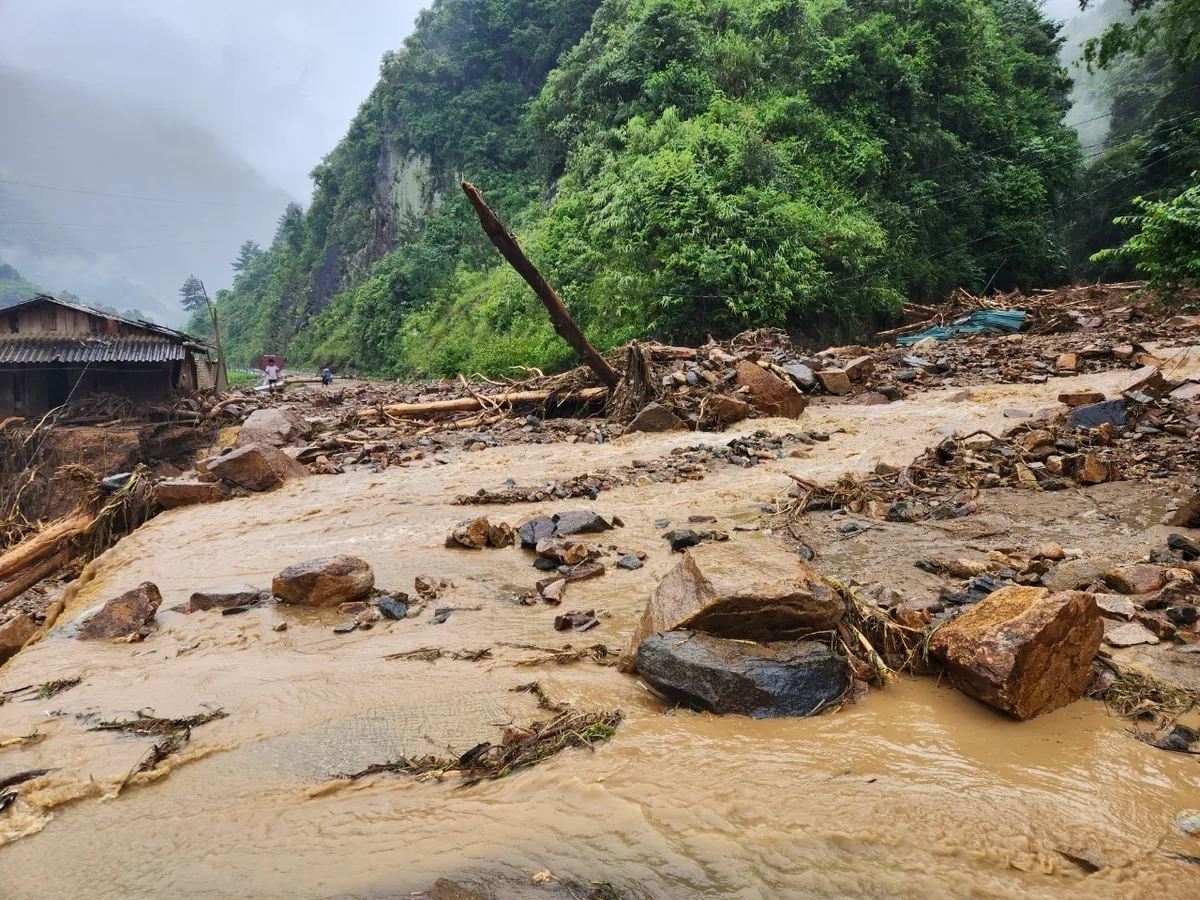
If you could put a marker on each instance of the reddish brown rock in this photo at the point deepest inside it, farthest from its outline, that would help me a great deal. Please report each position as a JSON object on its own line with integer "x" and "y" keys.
{"x": 474, "y": 534}
{"x": 570, "y": 553}
{"x": 224, "y": 598}
{"x": 256, "y": 467}
{"x": 859, "y": 368}
{"x": 1080, "y": 397}
{"x": 1188, "y": 513}
{"x": 14, "y": 633}
{"x": 1067, "y": 362}
{"x": 769, "y": 394}
{"x": 655, "y": 418}
{"x": 719, "y": 589}
{"x": 122, "y": 616}
{"x": 835, "y": 381}
{"x": 331, "y": 581}
{"x": 1023, "y": 650}
{"x": 1086, "y": 468}
{"x": 188, "y": 492}
{"x": 273, "y": 426}
{"x": 1136, "y": 579}
{"x": 725, "y": 410}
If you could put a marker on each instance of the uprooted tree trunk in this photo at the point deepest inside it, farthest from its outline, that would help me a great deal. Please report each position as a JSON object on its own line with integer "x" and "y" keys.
{"x": 637, "y": 388}
{"x": 559, "y": 317}
{"x": 489, "y": 401}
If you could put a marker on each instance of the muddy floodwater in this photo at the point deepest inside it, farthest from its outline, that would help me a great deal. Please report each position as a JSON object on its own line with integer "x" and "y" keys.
{"x": 916, "y": 791}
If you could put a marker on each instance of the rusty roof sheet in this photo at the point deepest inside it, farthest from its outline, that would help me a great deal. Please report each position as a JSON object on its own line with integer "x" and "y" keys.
{"x": 43, "y": 348}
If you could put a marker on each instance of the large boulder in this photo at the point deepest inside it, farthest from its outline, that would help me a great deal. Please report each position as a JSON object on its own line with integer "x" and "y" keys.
{"x": 789, "y": 678}
{"x": 1023, "y": 650}
{"x": 122, "y": 616}
{"x": 330, "y": 581}
{"x": 654, "y": 418}
{"x": 580, "y": 521}
{"x": 177, "y": 492}
{"x": 719, "y": 589}
{"x": 256, "y": 467}
{"x": 274, "y": 427}
{"x": 769, "y": 394}
{"x": 14, "y": 633}
{"x": 536, "y": 530}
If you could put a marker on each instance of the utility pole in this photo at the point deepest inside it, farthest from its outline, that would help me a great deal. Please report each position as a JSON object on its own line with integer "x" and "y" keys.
{"x": 222, "y": 375}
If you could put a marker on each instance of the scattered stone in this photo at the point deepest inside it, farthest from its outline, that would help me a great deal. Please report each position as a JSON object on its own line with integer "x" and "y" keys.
{"x": 473, "y": 534}
{"x": 859, "y": 368}
{"x": 801, "y": 375}
{"x": 1052, "y": 552}
{"x": 872, "y": 398}
{"x": 1188, "y": 513}
{"x": 1183, "y": 547}
{"x": 393, "y": 607}
{"x": 577, "y": 621}
{"x": 733, "y": 677}
{"x": 835, "y": 381}
{"x": 581, "y": 521}
{"x": 1091, "y": 860}
{"x": 1076, "y": 573}
{"x": 1189, "y": 390}
{"x": 1188, "y": 822}
{"x": 430, "y": 588}
{"x": 281, "y": 626}
{"x": 124, "y": 615}
{"x": 570, "y": 553}
{"x": 1136, "y": 579}
{"x": 552, "y": 590}
{"x": 725, "y": 410}
{"x": 176, "y": 492}
{"x": 1023, "y": 650}
{"x": 1017, "y": 414}
{"x": 681, "y": 539}
{"x": 535, "y": 530}
{"x": 329, "y": 581}
{"x": 1128, "y": 635}
{"x": 630, "y": 562}
{"x": 225, "y": 597}
{"x": 256, "y": 467}
{"x": 1085, "y": 468}
{"x": 1067, "y": 362}
{"x": 1093, "y": 415}
{"x": 655, "y": 418}
{"x": 770, "y": 394}
{"x": 1080, "y": 398}
{"x": 718, "y": 589}
{"x": 1116, "y": 606}
{"x": 14, "y": 634}
{"x": 501, "y": 535}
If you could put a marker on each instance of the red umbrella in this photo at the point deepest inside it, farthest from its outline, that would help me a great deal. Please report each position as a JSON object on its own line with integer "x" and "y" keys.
{"x": 268, "y": 359}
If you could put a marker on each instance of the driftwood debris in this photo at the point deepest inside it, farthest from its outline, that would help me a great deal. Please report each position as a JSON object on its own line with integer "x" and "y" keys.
{"x": 43, "y": 544}
{"x": 31, "y": 576}
{"x": 559, "y": 317}
{"x": 472, "y": 404}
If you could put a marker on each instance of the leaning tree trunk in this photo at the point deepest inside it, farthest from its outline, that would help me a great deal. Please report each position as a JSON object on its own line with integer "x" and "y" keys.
{"x": 637, "y": 388}
{"x": 559, "y": 317}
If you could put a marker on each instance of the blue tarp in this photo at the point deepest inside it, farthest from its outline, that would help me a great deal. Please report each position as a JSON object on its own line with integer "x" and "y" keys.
{"x": 990, "y": 320}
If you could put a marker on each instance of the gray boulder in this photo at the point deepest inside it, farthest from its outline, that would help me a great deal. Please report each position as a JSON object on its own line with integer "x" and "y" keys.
{"x": 579, "y": 521}
{"x": 790, "y": 678}
{"x": 274, "y": 427}
{"x": 535, "y": 530}
{"x": 655, "y": 418}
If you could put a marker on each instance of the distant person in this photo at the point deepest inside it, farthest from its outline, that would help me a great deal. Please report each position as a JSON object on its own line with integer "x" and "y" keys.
{"x": 272, "y": 375}
{"x": 327, "y": 376}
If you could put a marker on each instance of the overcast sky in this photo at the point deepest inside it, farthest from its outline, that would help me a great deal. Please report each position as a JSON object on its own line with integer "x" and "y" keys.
{"x": 276, "y": 80}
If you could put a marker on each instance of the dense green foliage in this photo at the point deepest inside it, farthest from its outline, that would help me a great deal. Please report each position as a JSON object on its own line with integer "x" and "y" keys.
{"x": 676, "y": 168}
{"x": 14, "y": 288}
{"x": 1166, "y": 247}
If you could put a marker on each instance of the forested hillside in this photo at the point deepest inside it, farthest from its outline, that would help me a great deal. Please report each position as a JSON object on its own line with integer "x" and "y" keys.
{"x": 685, "y": 167}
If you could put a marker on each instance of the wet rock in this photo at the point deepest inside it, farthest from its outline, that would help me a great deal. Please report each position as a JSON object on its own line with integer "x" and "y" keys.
{"x": 430, "y": 587}
{"x": 1091, "y": 860}
{"x": 873, "y": 398}
{"x": 1128, "y": 635}
{"x": 1085, "y": 468}
{"x": 545, "y": 564}
{"x": 552, "y": 590}
{"x": 1036, "y": 440}
{"x": 725, "y": 410}
{"x": 1137, "y": 579}
{"x": 630, "y": 562}
{"x": 1109, "y": 412}
{"x": 329, "y": 581}
{"x": 1185, "y": 548}
{"x": 1080, "y": 397}
{"x": 274, "y": 427}
{"x": 501, "y": 535}
{"x": 256, "y": 467}
{"x": 835, "y": 381}
{"x": 14, "y": 633}
{"x": 1156, "y": 623}
{"x": 225, "y": 597}
{"x": 569, "y": 553}
{"x": 580, "y": 521}
{"x": 124, "y": 615}
{"x": 1067, "y": 362}
{"x": 393, "y": 607}
{"x": 681, "y": 539}
{"x": 802, "y": 376}
{"x": 1183, "y": 616}
{"x": 445, "y": 889}
{"x": 1023, "y": 650}
{"x": 1188, "y": 513}
{"x": 1188, "y": 821}
{"x": 916, "y": 614}
{"x": 577, "y": 621}
{"x": 789, "y": 678}
{"x": 535, "y": 530}
{"x": 1076, "y": 573}
{"x": 770, "y": 394}
{"x": 719, "y": 589}
{"x": 1017, "y": 414}
{"x": 178, "y": 492}
{"x": 860, "y": 368}
{"x": 655, "y": 418}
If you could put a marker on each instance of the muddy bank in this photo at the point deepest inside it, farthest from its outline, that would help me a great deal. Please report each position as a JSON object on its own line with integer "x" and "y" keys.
{"x": 915, "y": 791}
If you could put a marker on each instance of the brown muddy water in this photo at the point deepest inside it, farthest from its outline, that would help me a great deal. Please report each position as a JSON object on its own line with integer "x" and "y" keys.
{"x": 916, "y": 791}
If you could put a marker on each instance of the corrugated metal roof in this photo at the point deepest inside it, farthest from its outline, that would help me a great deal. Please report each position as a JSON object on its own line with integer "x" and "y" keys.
{"x": 42, "y": 348}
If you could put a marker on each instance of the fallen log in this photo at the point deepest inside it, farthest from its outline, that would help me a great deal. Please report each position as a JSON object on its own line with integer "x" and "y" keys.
{"x": 31, "y": 576}
{"x": 45, "y": 543}
{"x": 559, "y": 317}
{"x": 471, "y": 404}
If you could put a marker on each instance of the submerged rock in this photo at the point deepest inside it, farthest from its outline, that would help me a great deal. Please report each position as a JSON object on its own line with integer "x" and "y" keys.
{"x": 123, "y": 615}
{"x": 1023, "y": 650}
{"x": 226, "y": 597}
{"x": 789, "y": 678}
{"x": 330, "y": 581}
{"x": 256, "y": 467}
{"x": 719, "y": 589}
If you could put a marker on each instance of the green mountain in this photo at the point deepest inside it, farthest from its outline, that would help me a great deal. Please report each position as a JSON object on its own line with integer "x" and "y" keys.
{"x": 677, "y": 168}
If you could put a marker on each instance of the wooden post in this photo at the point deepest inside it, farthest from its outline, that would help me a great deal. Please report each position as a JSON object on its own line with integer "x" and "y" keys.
{"x": 559, "y": 317}
{"x": 222, "y": 379}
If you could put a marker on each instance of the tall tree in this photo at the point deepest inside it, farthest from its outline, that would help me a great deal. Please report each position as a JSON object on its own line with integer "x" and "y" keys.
{"x": 247, "y": 253}
{"x": 192, "y": 294}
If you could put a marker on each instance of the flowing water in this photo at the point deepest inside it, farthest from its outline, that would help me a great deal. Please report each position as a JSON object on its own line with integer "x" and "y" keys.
{"x": 916, "y": 791}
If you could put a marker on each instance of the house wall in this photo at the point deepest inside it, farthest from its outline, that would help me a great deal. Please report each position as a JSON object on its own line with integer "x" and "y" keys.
{"x": 35, "y": 390}
{"x": 50, "y": 318}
